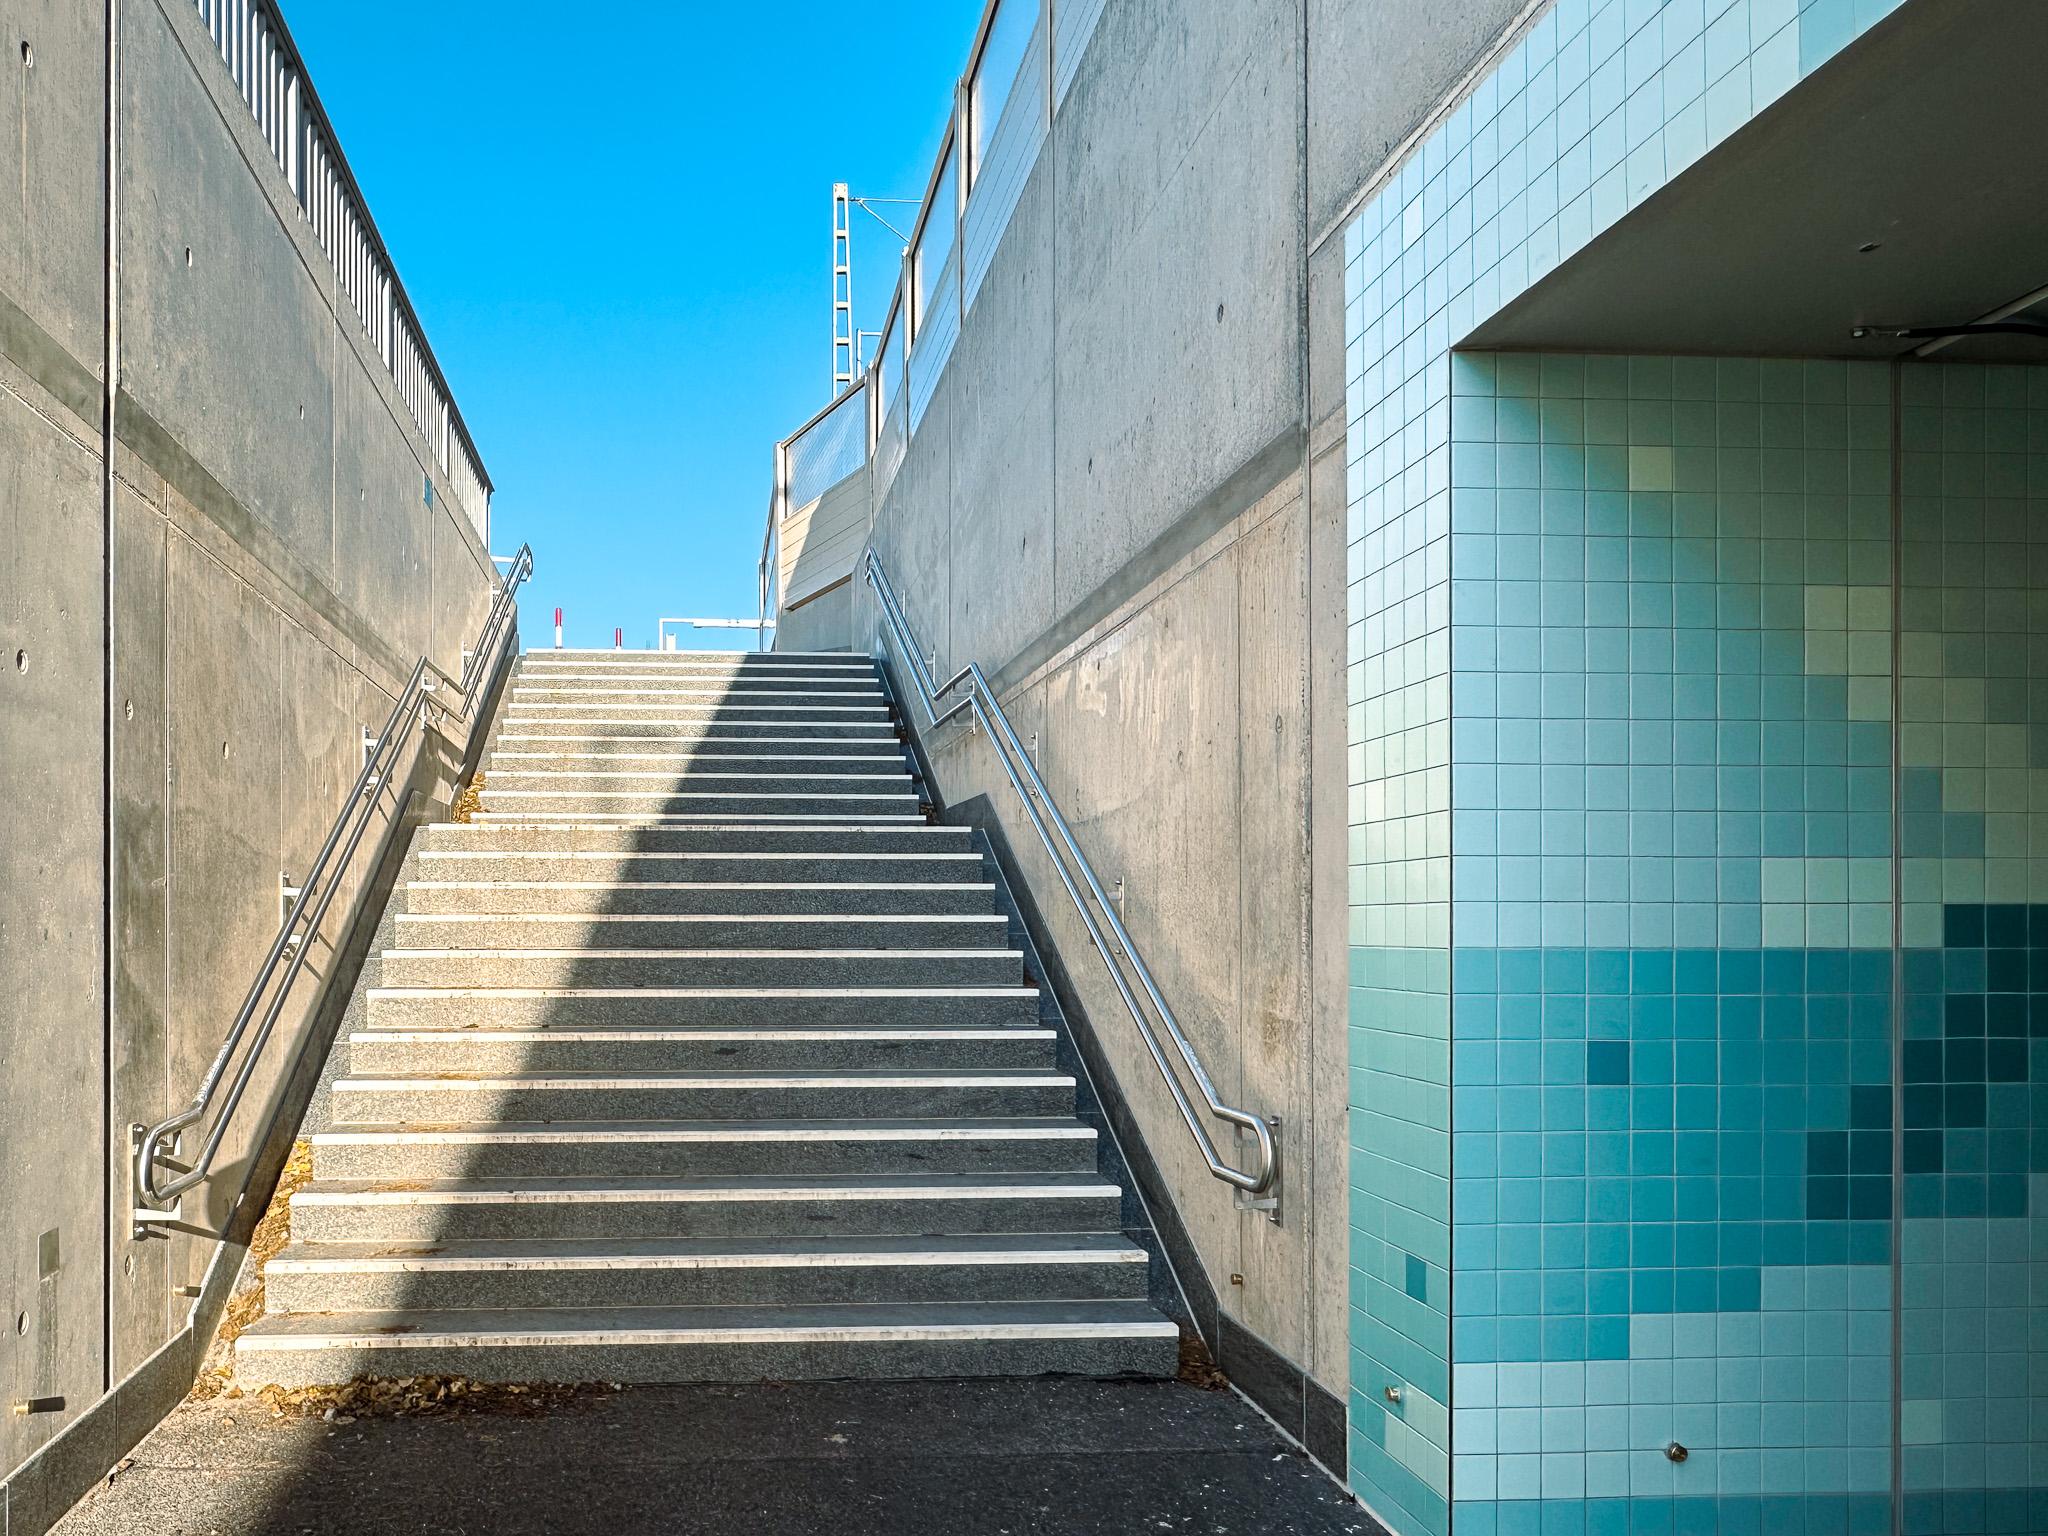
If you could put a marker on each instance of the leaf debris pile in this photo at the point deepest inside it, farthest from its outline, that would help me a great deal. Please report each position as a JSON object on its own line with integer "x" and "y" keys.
{"x": 1197, "y": 1369}
{"x": 245, "y": 1306}
{"x": 468, "y": 800}
{"x": 396, "y": 1397}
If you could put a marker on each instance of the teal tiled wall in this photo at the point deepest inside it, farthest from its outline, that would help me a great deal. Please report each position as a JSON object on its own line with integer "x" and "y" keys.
{"x": 1672, "y": 972}
{"x": 1764, "y": 841}
{"x": 1745, "y": 1005}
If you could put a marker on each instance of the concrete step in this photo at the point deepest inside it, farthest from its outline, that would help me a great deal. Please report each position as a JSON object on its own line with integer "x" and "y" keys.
{"x": 435, "y": 1210}
{"x": 928, "y": 967}
{"x": 821, "y": 711}
{"x": 611, "y": 656}
{"x": 639, "y": 823}
{"x": 626, "y": 862}
{"x": 831, "y": 757}
{"x": 700, "y": 930}
{"x": 842, "y": 804}
{"x": 725, "y": 1007}
{"x": 606, "y": 754}
{"x": 715, "y": 1095}
{"x": 661, "y": 681}
{"x": 521, "y": 729}
{"x": 681, "y": 1272}
{"x": 509, "y": 1149}
{"x": 692, "y": 692}
{"x": 616, "y": 897}
{"x": 765, "y": 843}
{"x": 650, "y": 1344}
{"x": 702, "y": 779}
{"x": 696, "y": 1049}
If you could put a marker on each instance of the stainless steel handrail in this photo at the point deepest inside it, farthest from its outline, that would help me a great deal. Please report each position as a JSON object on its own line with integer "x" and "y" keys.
{"x": 980, "y": 698}
{"x": 155, "y": 1145}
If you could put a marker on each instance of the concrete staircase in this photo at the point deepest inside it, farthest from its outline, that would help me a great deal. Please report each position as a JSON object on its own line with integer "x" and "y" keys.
{"x": 702, "y": 1056}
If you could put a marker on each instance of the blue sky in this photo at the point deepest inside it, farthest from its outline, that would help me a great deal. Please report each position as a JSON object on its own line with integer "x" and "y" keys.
{"x": 618, "y": 238}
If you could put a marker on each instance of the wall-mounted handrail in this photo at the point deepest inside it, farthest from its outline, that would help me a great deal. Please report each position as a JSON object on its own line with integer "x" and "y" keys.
{"x": 1070, "y": 863}
{"x": 155, "y": 1146}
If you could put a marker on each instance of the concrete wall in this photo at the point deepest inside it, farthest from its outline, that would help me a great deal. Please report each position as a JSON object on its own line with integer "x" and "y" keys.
{"x": 822, "y": 622}
{"x": 276, "y": 572}
{"x": 821, "y": 539}
{"x": 815, "y": 554}
{"x": 1126, "y": 501}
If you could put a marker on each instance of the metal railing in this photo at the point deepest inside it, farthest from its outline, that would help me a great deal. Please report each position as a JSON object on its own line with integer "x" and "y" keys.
{"x": 1120, "y": 956}
{"x": 1018, "y": 70}
{"x": 271, "y": 79}
{"x": 665, "y": 639}
{"x": 156, "y": 1146}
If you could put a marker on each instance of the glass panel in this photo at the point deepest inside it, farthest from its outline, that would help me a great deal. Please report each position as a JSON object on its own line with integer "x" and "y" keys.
{"x": 888, "y": 369}
{"x": 935, "y": 245}
{"x": 996, "y": 78}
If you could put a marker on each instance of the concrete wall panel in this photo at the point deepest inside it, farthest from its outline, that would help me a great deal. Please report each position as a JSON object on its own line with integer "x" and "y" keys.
{"x": 461, "y": 595}
{"x": 51, "y": 1257}
{"x": 381, "y": 520}
{"x": 1141, "y": 754}
{"x": 223, "y": 690}
{"x": 916, "y": 543}
{"x": 53, "y": 169}
{"x": 1178, "y": 343}
{"x": 820, "y": 540}
{"x": 822, "y": 624}
{"x": 1275, "y": 1044}
{"x": 143, "y": 1089}
{"x": 1000, "y": 384}
{"x": 1329, "y": 833}
{"x": 201, "y": 333}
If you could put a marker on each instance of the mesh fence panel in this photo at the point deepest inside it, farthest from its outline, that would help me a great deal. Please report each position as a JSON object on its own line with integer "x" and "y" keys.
{"x": 830, "y": 451}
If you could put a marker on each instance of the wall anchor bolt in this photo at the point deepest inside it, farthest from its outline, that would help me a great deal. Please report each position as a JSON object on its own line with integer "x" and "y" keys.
{"x": 1676, "y": 1452}
{"x": 1393, "y": 1393}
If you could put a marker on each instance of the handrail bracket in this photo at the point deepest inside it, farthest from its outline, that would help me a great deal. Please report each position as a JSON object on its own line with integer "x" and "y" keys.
{"x": 1269, "y": 1202}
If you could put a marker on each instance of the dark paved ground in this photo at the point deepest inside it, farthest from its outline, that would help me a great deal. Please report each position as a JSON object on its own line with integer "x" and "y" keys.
{"x": 1005, "y": 1458}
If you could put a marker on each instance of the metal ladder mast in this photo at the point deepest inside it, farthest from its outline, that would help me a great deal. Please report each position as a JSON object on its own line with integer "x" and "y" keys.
{"x": 842, "y": 289}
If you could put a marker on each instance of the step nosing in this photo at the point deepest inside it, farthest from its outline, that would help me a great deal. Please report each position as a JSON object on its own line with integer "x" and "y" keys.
{"x": 399, "y": 1082}
{"x": 634, "y": 1133}
{"x": 847, "y": 886}
{"x": 769, "y": 918}
{"x": 695, "y": 1035}
{"x": 705, "y": 992}
{"x": 651, "y": 953}
{"x": 278, "y": 1343}
{"x": 775, "y": 1194}
{"x": 622, "y": 1258}
{"x": 681, "y": 794}
{"x": 701, "y": 855}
